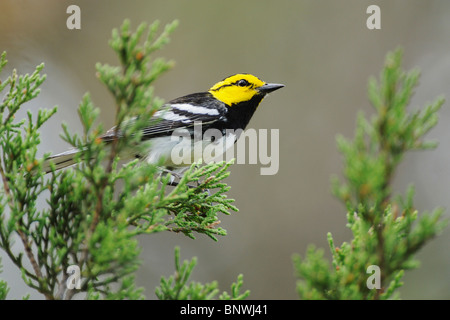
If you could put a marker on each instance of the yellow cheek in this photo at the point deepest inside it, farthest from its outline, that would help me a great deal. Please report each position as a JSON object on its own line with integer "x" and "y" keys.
{"x": 232, "y": 95}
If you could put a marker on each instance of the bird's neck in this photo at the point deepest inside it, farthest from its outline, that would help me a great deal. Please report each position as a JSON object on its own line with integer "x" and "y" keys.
{"x": 239, "y": 114}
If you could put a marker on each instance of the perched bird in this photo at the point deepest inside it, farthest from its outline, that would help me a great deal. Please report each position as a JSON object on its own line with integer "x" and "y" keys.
{"x": 225, "y": 108}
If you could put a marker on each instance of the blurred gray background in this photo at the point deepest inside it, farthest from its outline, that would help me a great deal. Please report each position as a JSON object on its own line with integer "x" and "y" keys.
{"x": 324, "y": 54}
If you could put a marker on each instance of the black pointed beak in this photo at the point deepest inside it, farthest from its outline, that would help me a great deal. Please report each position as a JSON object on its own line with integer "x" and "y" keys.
{"x": 269, "y": 87}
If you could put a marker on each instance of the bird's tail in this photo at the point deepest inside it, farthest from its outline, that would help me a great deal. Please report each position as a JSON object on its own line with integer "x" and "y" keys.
{"x": 60, "y": 160}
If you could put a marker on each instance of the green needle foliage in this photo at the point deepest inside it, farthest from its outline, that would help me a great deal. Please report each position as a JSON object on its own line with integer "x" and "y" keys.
{"x": 387, "y": 229}
{"x": 176, "y": 288}
{"x": 3, "y": 285}
{"x": 96, "y": 210}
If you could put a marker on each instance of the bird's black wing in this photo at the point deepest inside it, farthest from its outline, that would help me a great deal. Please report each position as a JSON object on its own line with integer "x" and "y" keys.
{"x": 180, "y": 113}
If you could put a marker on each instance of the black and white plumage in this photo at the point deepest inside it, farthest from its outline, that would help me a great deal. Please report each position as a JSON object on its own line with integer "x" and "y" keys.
{"x": 226, "y": 107}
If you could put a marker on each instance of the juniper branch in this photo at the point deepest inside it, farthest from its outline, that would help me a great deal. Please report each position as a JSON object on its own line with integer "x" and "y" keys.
{"x": 90, "y": 222}
{"x": 382, "y": 226}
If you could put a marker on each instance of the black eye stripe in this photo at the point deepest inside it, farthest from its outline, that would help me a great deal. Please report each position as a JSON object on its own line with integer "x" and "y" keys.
{"x": 239, "y": 83}
{"x": 221, "y": 87}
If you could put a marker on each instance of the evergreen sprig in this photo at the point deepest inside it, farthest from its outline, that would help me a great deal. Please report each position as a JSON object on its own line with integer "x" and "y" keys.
{"x": 3, "y": 285}
{"x": 176, "y": 287}
{"x": 387, "y": 230}
{"x": 96, "y": 209}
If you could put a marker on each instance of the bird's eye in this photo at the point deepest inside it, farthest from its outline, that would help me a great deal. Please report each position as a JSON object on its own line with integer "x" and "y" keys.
{"x": 242, "y": 83}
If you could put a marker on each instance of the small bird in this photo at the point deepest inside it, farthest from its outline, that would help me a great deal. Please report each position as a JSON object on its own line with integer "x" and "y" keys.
{"x": 226, "y": 107}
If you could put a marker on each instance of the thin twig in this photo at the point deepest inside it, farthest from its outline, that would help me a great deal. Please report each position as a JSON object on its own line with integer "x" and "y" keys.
{"x": 23, "y": 237}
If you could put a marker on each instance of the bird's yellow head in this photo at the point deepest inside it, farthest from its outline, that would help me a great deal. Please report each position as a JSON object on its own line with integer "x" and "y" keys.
{"x": 240, "y": 88}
